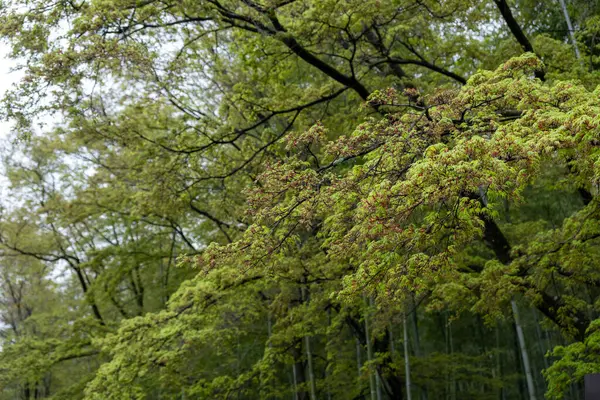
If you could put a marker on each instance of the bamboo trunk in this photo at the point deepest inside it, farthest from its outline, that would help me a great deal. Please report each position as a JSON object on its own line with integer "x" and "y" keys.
{"x": 406, "y": 361}
{"x": 372, "y": 382}
{"x": 524, "y": 354}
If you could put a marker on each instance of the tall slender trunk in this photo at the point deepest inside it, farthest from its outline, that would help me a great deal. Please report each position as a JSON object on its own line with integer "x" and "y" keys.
{"x": 518, "y": 364}
{"x": 377, "y": 377}
{"x": 524, "y": 354}
{"x": 269, "y": 328}
{"x": 309, "y": 360}
{"x": 445, "y": 326}
{"x": 453, "y": 380}
{"x": 570, "y": 27}
{"x": 502, "y": 393}
{"x": 327, "y": 380}
{"x": 311, "y": 373}
{"x": 417, "y": 341}
{"x": 299, "y": 375}
{"x": 372, "y": 382}
{"x": 294, "y": 382}
{"x": 406, "y": 361}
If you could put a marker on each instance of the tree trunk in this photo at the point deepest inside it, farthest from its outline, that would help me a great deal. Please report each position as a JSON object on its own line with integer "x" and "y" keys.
{"x": 524, "y": 354}
{"x": 406, "y": 361}
{"x": 372, "y": 382}
{"x": 570, "y": 27}
{"x": 309, "y": 360}
{"x": 299, "y": 375}
{"x": 392, "y": 382}
{"x": 417, "y": 341}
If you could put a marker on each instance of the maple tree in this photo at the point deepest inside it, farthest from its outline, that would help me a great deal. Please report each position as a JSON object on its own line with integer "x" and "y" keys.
{"x": 306, "y": 199}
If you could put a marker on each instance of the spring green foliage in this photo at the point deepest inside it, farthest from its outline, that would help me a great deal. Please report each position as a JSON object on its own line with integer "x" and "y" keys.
{"x": 254, "y": 198}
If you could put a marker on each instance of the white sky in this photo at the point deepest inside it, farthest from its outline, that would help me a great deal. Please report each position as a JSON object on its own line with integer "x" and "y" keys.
{"x": 6, "y": 80}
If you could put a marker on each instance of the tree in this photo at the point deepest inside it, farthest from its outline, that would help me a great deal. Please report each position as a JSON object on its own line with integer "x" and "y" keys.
{"x": 181, "y": 124}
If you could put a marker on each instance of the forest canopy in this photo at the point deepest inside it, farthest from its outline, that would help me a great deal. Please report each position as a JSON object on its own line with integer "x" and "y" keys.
{"x": 305, "y": 199}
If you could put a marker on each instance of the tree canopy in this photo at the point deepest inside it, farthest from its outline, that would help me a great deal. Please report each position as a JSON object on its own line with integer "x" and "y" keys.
{"x": 304, "y": 199}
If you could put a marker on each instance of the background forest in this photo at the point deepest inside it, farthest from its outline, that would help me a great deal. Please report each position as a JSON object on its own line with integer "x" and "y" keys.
{"x": 300, "y": 199}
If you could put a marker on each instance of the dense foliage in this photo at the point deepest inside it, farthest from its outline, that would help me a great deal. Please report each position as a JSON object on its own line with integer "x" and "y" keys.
{"x": 301, "y": 199}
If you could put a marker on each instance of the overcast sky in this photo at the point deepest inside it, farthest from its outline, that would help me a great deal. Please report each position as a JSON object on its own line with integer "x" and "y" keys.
{"x": 6, "y": 80}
